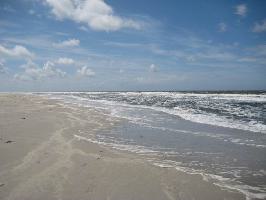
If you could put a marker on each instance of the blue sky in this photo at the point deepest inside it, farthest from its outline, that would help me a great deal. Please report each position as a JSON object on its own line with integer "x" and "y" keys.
{"x": 70, "y": 45}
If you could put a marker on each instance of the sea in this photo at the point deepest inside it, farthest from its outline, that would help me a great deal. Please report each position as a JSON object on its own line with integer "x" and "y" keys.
{"x": 220, "y": 135}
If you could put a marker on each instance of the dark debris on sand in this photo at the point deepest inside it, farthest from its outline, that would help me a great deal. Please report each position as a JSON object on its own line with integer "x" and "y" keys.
{"x": 9, "y": 141}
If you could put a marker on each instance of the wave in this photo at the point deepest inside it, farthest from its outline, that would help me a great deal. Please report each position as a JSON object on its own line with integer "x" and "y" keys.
{"x": 155, "y": 111}
{"x": 238, "y": 111}
{"x": 251, "y": 192}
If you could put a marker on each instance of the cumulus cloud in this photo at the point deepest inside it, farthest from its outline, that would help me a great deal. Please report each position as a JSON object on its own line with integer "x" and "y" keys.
{"x": 260, "y": 27}
{"x": 153, "y": 68}
{"x": 18, "y": 51}
{"x": 96, "y": 14}
{"x": 67, "y": 43}
{"x": 241, "y": 10}
{"x": 65, "y": 61}
{"x": 33, "y": 72}
{"x": 222, "y": 27}
{"x": 85, "y": 71}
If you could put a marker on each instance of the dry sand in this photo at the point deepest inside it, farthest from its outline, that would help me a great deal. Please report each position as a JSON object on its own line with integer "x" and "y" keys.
{"x": 41, "y": 159}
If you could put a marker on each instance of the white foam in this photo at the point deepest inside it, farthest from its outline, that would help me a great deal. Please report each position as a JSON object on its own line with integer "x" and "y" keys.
{"x": 117, "y": 109}
{"x": 227, "y": 183}
{"x": 214, "y": 120}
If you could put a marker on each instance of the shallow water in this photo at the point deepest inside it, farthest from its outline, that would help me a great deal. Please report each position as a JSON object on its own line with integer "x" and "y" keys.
{"x": 229, "y": 155}
{"x": 243, "y": 111}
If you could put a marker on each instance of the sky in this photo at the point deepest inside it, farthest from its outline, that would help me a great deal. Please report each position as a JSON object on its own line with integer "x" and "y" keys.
{"x": 140, "y": 45}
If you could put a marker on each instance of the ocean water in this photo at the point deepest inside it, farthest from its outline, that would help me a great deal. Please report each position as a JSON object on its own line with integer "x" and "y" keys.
{"x": 221, "y": 135}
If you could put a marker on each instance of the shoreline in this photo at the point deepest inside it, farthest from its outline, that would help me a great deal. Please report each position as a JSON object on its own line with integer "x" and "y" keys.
{"x": 42, "y": 159}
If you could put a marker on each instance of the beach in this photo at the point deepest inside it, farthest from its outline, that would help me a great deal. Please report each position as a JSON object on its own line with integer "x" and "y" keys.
{"x": 43, "y": 156}
{"x": 132, "y": 100}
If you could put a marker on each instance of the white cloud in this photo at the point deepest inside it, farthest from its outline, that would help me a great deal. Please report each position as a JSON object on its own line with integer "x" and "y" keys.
{"x": 260, "y": 27}
{"x": 260, "y": 50}
{"x": 65, "y": 61}
{"x": 241, "y": 10}
{"x": 31, "y": 12}
{"x": 85, "y": 71}
{"x": 161, "y": 78}
{"x": 84, "y": 28}
{"x": 3, "y": 69}
{"x": 34, "y": 12}
{"x": 67, "y": 43}
{"x": 206, "y": 52}
{"x": 17, "y": 51}
{"x": 33, "y": 72}
{"x": 153, "y": 68}
{"x": 97, "y": 14}
{"x": 49, "y": 70}
{"x": 222, "y": 27}
{"x": 8, "y": 8}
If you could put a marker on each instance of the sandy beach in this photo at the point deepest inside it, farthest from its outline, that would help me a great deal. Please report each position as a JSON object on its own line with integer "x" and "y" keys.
{"x": 40, "y": 158}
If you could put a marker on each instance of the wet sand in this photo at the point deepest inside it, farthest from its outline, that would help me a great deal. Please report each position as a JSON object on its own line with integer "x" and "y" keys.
{"x": 41, "y": 159}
